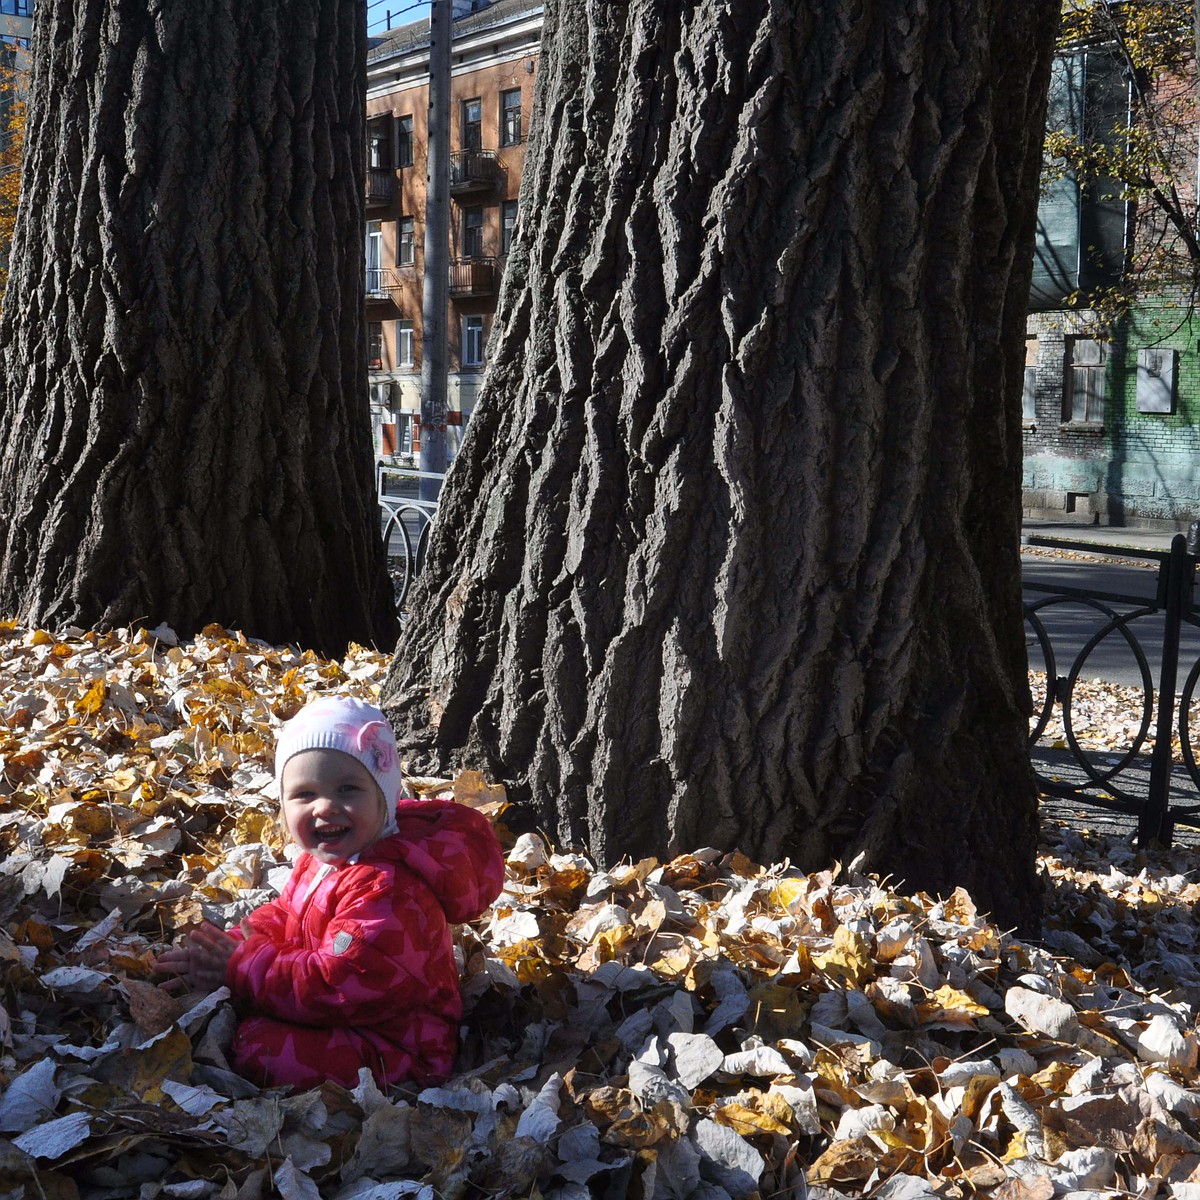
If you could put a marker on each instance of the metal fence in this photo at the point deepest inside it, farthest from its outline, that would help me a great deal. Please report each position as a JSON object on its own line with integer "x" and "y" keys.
{"x": 407, "y": 506}
{"x": 1154, "y": 779}
{"x": 1160, "y": 788}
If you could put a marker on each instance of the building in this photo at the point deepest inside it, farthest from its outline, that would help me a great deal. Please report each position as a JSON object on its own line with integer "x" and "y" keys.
{"x": 16, "y": 22}
{"x": 494, "y": 65}
{"x": 1111, "y": 406}
{"x": 16, "y": 32}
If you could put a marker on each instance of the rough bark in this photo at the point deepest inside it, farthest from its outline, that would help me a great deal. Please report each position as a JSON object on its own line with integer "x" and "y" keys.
{"x": 183, "y": 416}
{"x": 730, "y": 555}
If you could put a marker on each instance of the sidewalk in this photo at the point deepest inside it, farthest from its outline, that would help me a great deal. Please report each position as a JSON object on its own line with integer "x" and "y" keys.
{"x": 1035, "y": 532}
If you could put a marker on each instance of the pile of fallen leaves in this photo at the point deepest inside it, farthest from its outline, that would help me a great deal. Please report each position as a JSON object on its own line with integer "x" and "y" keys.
{"x": 700, "y": 1028}
{"x": 1106, "y": 718}
{"x": 1109, "y": 557}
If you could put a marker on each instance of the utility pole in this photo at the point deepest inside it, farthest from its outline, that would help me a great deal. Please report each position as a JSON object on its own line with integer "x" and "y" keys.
{"x": 437, "y": 252}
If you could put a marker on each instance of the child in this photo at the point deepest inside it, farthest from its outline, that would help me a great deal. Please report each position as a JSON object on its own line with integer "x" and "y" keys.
{"x": 353, "y": 965}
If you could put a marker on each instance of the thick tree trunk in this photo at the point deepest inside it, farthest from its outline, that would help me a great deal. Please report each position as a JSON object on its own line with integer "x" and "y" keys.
{"x": 730, "y": 555}
{"x": 183, "y": 422}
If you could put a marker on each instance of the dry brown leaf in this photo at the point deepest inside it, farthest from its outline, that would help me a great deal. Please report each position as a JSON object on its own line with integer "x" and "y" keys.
{"x": 153, "y": 1010}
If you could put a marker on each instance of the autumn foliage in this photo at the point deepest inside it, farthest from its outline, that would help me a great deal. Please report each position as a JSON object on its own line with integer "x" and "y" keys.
{"x": 13, "y": 88}
{"x": 704, "y": 1027}
{"x": 1148, "y": 159}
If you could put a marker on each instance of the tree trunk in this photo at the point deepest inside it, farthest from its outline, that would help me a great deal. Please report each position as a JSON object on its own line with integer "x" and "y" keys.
{"x": 183, "y": 417}
{"x": 730, "y": 555}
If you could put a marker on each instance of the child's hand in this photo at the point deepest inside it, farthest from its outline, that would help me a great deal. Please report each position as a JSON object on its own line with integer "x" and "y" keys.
{"x": 201, "y": 960}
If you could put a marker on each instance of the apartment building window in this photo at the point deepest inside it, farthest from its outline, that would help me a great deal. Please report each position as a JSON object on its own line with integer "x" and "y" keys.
{"x": 406, "y": 241}
{"x": 404, "y": 434}
{"x": 472, "y": 125}
{"x": 1029, "y": 391}
{"x": 472, "y": 232}
{"x": 404, "y": 142}
{"x": 379, "y": 152}
{"x": 472, "y": 341}
{"x": 1083, "y": 391}
{"x": 375, "y": 345}
{"x": 374, "y": 258}
{"x": 510, "y": 117}
{"x": 508, "y": 224}
{"x": 405, "y": 344}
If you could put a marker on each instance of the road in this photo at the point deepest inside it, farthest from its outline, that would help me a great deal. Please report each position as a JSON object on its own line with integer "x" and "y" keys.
{"x": 1071, "y": 624}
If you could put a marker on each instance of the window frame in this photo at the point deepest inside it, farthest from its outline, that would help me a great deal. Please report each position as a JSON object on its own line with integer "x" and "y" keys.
{"x": 1029, "y": 380}
{"x": 508, "y": 229}
{"x": 404, "y": 141}
{"x": 374, "y": 258}
{"x": 406, "y": 333}
{"x": 379, "y": 142}
{"x": 374, "y": 345}
{"x": 406, "y": 241}
{"x": 510, "y": 116}
{"x": 474, "y": 139}
{"x": 472, "y": 234}
{"x": 405, "y": 424}
{"x": 472, "y": 330}
{"x": 1094, "y": 398}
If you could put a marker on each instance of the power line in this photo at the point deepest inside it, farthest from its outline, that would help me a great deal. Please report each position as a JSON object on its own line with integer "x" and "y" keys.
{"x": 401, "y": 12}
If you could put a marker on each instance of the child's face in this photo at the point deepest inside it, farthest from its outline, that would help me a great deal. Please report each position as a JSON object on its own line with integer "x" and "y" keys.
{"x": 332, "y": 806}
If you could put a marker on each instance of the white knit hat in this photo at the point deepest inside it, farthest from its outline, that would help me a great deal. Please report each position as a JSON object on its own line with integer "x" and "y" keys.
{"x": 353, "y": 727}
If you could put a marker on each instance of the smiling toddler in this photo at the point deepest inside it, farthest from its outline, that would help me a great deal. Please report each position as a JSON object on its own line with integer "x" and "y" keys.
{"x": 353, "y": 965}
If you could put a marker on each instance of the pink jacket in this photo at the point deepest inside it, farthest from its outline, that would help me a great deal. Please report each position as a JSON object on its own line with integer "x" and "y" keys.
{"x": 354, "y": 965}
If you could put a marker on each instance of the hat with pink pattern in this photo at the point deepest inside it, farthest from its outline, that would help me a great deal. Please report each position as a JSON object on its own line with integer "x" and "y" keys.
{"x": 353, "y": 727}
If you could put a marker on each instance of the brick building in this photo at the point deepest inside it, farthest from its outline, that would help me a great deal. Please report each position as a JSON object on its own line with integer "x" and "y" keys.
{"x": 494, "y": 65}
{"x": 1111, "y": 408}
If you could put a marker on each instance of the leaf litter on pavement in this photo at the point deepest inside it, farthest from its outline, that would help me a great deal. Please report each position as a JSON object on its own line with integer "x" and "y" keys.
{"x": 705, "y": 1027}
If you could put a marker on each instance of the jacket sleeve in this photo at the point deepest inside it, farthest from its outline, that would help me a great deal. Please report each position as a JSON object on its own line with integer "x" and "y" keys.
{"x": 386, "y": 948}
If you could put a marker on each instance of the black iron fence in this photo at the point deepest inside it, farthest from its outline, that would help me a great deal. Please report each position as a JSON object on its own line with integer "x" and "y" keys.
{"x": 1162, "y": 787}
{"x": 408, "y": 506}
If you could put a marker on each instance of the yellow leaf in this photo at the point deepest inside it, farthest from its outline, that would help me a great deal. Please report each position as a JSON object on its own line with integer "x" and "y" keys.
{"x": 637, "y": 1130}
{"x": 124, "y": 780}
{"x": 90, "y": 819}
{"x": 145, "y": 1067}
{"x": 1016, "y": 1148}
{"x": 676, "y": 961}
{"x": 775, "y": 1011}
{"x": 747, "y": 1121}
{"x": 950, "y": 1006}
{"x": 960, "y": 907}
{"x": 788, "y": 892}
{"x": 978, "y": 1090}
{"x": 1053, "y": 1077}
{"x": 216, "y": 686}
{"x": 39, "y": 637}
{"x": 256, "y": 826}
{"x": 849, "y": 959}
{"x": 610, "y": 942}
{"x": 845, "y": 1162}
{"x": 472, "y": 789}
{"x": 92, "y": 699}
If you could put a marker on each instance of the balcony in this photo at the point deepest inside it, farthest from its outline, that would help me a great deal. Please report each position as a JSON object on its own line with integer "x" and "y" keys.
{"x": 381, "y": 185}
{"x": 473, "y": 171}
{"x": 382, "y": 284}
{"x": 473, "y": 277}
